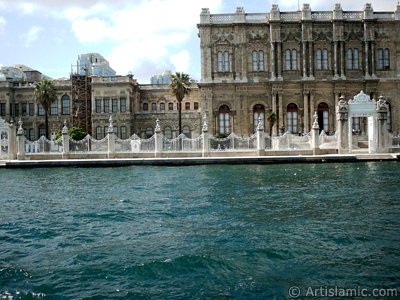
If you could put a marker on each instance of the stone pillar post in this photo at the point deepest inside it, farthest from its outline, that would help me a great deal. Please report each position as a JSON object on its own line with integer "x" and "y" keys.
{"x": 272, "y": 59}
{"x": 111, "y": 139}
{"x": 65, "y": 140}
{"x": 306, "y": 113}
{"x": 366, "y": 60}
{"x": 280, "y": 111}
{"x": 206, "y": 138}
{"x": 12, "y": 141}
{"x": 382, "y": 109}
{"x": 342, "y": 110}
{"x": 315, "y": 135}
{"x": 342, "y": 60}
{"x": 158, "y": 140}
{"x": 335, "y": 58}
{"x": 20, "y": 142}
{"x": 279, "y": 61}
{"x": 304, "y": 61}
{"x": 311, "y": 59}
{"x": 260, "y": 138}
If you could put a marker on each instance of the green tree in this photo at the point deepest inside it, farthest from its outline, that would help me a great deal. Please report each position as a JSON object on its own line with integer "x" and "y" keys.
{"x": 75, "y": 133}
{"x": 45, "y": 93}
{"x": 271, "y": 118}
{"x": 180, "y": 85}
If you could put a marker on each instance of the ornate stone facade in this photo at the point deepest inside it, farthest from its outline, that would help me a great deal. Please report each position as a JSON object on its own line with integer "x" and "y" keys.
{"x": 295, "y": 64}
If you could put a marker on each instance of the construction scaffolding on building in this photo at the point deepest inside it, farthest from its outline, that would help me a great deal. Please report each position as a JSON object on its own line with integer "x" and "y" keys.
{"x": 81, "y": 94}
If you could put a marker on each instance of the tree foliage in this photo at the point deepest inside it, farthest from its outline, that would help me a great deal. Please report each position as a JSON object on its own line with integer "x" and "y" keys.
{"x": 180, "y": 86}
{"x": 45, "y": 93}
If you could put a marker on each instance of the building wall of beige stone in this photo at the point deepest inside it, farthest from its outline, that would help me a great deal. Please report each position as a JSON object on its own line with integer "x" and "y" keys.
{"x": 295, "y": 64}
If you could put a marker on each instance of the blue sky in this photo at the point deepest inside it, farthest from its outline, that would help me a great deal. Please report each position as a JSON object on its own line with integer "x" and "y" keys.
{"x": 144, "y": 37}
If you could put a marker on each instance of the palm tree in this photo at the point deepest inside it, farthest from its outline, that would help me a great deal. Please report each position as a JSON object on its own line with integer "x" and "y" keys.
{"x": 180, "y": 85}
{"x": 271, "y": 118}
{"x": 45, "y": 93}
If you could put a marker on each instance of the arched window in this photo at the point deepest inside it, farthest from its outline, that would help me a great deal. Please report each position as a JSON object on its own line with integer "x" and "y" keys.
{"x": 186, "y": 131}
{"x": 42, "y": 130}
{"x": 223, "y": 61}
{"x": 258, "y": 112}
{"x": 54, "y": 108}
{"x": 170, "y": 106}
{"x": 31, "y": 134}
{"x": 168, "y": 132}
{"x": 290, "y": 59}
{"x": 149, "y": 132}
{"x": 99, "y": 133}
{"x": 145, "y": 106}
{"x": 318, "y": 59}
{"x": 65, "y": 104}
{"x": 383, "y": 59}
{"x": 154, "y": 107}
{"x": 325, "y": 59}
{"x": 292, "y": 114}
{"x": 352, "y": 59}
{"x": 257, "y": 60}
{"x": 224, "y": 120}
{"x": 162, "y": 107}
{"x": 323, "y": 117}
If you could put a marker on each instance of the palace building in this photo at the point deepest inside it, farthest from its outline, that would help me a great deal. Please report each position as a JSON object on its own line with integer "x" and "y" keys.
{"x": 295, "y": 64}
{"x": 290, "y": 63}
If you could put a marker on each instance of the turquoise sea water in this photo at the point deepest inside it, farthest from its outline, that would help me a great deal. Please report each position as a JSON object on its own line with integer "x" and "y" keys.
{"x": 202, "y": 232}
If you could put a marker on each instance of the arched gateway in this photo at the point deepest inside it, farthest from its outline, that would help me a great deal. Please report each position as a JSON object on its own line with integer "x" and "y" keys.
{"x": 362, "y": 106}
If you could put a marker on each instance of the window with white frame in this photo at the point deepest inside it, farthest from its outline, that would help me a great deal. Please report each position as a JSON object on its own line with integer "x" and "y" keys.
{"x": 54, "y": 108}
{"x": 65, "y": 105}
{"x": 224, "y": 120}
{"x": 352, "y": 59}
{"x": 290, "y": 59}
{"x": 258, "y": 113}
{"x": 383, "y": 59}
{"x": 122, "y": 104}
{"x": 292, "y": 118}
{"x": 321, "y": 59}
{"x": 223, "y": 61}
{"x": 257, "y": 58}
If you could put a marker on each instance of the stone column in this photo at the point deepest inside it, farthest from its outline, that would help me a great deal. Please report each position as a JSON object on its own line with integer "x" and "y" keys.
{"x": 315, "y": 135}
{"x": 342, "y": 110}
{"x": 304, "y": 61}
{"x": 311, "y": 58}
{"x": 335, "y": 57}
{"x": 206, "y": 138}
{"x": 65, "y": 140}
{"x": 382, "y": 109}
{"x": 279, "y": 61}
{"x": 158, "y": 140}
{"x": 273, "y": 67}
{"x": 111, "y": 139}
{"x": 373, "y": 68}
{"x": 260, "y": 138}
{"x": 306, "y": 112}
{"x": 342, "y": 60}
{"x": 280, "y": 111}
{"x": 20, "y": 142}
{"x": 366, "y": 60}
{"x": 12, "y": 141}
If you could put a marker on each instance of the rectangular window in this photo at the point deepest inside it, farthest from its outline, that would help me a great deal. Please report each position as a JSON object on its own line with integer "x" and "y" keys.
{"x": 162, "y": 107}
{"x": 2, "y": 109}
{"x": 114, "y": 105}
{"x": 116, "y": 131}
{"x": 187, "y": 105}
{"x": 106, "y": 105}
{"x": 24, "y": 111}
{"x": 123, "y": 132}
{"x": 31, "y": 134}
{"x": 42, "y": 131}
{"x": 40, "y": 110}
{"x": 170, "y": 106}
{"x": 153, "y": 107}
{"x": 17, "y": 109}
{"x": 98, "y": 105}
{"x": 122, "y": 104}
{"x": 145, "y": 106}
{"x": 99, "y": 133}
{"x": 65, "y": 105}
{"x": 196, "y": 106}
{"x": 54, "y": 109}
{"x": 31, "y": 109}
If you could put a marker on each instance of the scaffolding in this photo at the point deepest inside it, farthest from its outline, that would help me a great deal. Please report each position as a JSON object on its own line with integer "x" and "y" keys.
{"x": 81, "y": 94}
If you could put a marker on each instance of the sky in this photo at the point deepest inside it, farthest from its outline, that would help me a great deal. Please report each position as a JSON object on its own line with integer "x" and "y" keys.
{"x": 141, "y": 37}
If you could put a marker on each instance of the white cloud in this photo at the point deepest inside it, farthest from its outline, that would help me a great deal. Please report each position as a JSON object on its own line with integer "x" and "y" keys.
{"x": 3, "y": 23}
{"x": 181, "y": 61}
{"x": 32, "y": 35}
